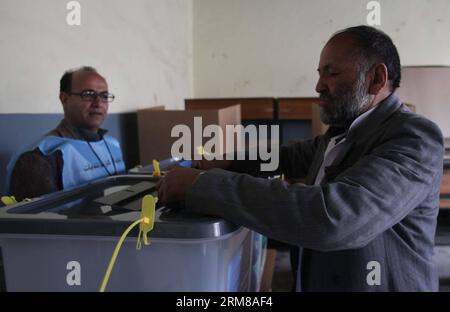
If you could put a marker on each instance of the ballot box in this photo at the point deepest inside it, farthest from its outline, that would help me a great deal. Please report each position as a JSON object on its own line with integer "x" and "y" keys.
{"x": 64, "y": 242}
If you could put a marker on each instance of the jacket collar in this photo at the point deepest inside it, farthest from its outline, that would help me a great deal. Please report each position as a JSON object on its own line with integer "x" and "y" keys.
{"x": 359, "y": 132}
{"x": 370, "y": 123}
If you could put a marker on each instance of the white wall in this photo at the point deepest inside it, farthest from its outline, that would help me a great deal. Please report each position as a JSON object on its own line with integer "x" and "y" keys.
{"x": 159, "y": 52}
{"x": 271, "y": 48}
{"x": 142, "y": 47}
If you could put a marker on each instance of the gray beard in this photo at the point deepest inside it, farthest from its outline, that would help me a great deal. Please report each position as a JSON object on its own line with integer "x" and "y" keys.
{"x": 346, "y": 105}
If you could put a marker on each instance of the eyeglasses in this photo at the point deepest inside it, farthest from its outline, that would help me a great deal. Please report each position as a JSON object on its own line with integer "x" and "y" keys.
{"x": 91, "y": 95}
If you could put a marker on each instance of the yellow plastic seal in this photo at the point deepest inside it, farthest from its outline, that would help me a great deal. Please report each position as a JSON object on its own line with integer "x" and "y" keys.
{"x": 146, "y": 225}
{"x": 9, "y": 200}
{"x": 148, "y": 219}
{"x": 156, "y": 171}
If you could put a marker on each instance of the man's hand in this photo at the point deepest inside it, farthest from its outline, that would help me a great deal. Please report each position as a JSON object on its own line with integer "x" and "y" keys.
{"x": 175, "y": 185}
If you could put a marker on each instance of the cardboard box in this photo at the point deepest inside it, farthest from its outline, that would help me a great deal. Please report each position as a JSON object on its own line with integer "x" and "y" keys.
{"x": 155, "y": 126}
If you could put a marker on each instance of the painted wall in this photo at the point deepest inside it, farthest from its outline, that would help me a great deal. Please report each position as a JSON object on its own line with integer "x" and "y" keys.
{"x": 271, "y": 48}
{"x": 142, "y": 47}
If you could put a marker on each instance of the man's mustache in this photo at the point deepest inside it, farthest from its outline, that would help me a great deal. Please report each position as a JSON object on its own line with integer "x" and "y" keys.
{"x": 325, "y": 97}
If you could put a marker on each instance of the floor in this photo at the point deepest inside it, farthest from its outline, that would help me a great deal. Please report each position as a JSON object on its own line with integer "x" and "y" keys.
{"x": 283, "y": 280}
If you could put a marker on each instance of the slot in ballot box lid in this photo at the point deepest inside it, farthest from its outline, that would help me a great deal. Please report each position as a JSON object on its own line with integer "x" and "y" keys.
{"x": 164, "y": 165}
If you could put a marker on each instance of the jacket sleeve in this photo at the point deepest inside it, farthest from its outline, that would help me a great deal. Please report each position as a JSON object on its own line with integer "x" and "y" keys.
{"x": 294, "y": 160}
{"x": 35, "y": 174}
{"x": 363, "y": 201}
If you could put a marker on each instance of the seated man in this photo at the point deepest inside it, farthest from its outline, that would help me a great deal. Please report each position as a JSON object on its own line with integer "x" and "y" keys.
{"x": 78, "y": 150}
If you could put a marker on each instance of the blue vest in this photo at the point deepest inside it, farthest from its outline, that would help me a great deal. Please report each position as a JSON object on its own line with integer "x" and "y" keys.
{"x": 80, "y": 163}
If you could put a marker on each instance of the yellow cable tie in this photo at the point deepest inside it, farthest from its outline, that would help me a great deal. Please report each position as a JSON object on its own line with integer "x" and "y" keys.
{"x": 146, "y": 225}
{"x": 9, "y": 200}
{"x": 114, "y": 256}
{"x": 156, "y": 170}
{"x": 148, "y": 219}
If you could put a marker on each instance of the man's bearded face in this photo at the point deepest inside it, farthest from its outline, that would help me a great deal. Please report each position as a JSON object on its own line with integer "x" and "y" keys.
{"x": 346, "y": 104}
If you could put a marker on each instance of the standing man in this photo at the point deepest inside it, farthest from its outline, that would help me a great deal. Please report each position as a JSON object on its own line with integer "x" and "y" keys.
{"x": 77, "y": 150}
{"x": 366, "y": 218}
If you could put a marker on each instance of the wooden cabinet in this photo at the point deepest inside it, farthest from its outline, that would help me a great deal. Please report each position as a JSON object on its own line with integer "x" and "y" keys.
{"x": 261, "y": 108}
{"x": 295, "y": 108}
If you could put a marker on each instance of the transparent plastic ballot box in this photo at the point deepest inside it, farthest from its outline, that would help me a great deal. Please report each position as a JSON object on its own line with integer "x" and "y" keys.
{"x": 64, "y": 242}
{"x": 259, "y": 241}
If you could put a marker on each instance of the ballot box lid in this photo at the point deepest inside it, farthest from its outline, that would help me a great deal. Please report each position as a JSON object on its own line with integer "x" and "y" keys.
{"x": 106, "y": 207}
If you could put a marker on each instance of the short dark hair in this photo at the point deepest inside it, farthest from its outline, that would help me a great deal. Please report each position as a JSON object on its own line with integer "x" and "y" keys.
{"x": 376, "y": 46}
{"x": 65, "y": 84}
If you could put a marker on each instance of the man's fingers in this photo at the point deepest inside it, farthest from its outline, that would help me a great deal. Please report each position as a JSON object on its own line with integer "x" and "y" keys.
{"x": 173, "y": 187}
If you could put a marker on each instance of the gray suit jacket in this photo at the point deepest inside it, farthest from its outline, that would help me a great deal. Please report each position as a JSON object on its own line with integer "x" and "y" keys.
{"x": 378, "y": 201}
